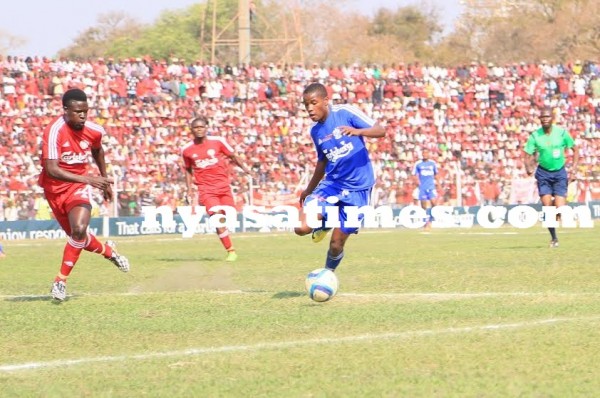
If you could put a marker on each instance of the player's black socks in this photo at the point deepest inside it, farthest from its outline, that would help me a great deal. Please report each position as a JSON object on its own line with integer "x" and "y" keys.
{"x": 553, "y": 233}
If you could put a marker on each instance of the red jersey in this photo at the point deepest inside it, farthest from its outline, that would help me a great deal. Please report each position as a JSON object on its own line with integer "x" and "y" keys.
{"x": 209, "y": 163}
{"x": 71, "y": 148}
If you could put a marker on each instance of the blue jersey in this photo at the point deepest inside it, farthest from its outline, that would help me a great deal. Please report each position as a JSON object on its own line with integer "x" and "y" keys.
{"x": 348, "y": 163}
{"x": 426, "y": 171}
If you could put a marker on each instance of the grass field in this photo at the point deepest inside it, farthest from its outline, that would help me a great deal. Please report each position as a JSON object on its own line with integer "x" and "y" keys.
{"x": 450, "y": 313}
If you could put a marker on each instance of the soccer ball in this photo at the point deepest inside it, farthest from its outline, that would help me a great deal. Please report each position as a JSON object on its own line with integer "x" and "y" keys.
{"x": 321, "y": 284}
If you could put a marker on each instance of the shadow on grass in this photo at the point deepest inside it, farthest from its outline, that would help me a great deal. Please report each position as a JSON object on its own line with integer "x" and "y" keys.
{"x": 284, "y": 295}
{"x": 26, "y": 299}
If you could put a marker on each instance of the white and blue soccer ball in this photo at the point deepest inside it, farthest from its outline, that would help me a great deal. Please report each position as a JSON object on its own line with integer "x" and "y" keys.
{"x": 321, "y": 284}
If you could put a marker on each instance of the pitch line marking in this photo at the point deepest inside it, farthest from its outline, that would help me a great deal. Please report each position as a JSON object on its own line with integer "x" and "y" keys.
{"x": 288, "y": 344}
{"x": 424, "y": 295}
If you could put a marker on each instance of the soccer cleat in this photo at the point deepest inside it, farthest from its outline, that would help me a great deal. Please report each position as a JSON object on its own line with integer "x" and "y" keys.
{"x": 120, "y": 261}
{"x": 59, "y": 290}
{"x": 554, "y": 243}
{"x": 319, "y": 234}
{"x": 231, "y": 256}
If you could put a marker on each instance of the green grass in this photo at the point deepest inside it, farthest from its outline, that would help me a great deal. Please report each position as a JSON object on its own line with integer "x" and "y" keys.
{"x": 450, "y": 313}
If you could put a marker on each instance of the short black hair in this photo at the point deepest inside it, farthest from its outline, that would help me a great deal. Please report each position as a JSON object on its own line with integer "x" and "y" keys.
{"x": 73, "y": 94}
{"x": 317, "y": 88}
{"x": 202, "y": 119}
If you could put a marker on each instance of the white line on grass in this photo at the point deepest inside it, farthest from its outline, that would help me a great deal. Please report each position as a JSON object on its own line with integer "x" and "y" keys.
{"x": 447, "y": 295}
{"x": 424, "y": 295}
{"x": 288, "y": 344}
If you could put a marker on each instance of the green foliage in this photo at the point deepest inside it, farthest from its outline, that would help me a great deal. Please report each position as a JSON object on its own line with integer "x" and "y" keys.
{"x": 172, "y": 34}
{"x": 325, "y": 32}
{"x": 113, "y": 29}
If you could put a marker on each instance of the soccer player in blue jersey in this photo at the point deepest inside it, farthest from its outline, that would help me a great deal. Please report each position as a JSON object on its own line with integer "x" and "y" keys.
{"x": 343, "y": 172}
{"x": 425, "y": 171}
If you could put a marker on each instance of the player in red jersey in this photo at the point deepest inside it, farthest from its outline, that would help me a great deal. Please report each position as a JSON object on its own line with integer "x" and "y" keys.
{"x": 67, "y": 142}
{"x": 206, "y": 165}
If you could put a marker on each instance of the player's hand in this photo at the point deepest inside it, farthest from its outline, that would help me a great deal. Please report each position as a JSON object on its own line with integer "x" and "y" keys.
{"x": 347, "y": 130}
{"x": 303, "y": 196}
{"x": 100, "y": 182}
{"x": 188, "y": 197}
{"x": 250, "y": 174}
{"x": 108, "y": 193}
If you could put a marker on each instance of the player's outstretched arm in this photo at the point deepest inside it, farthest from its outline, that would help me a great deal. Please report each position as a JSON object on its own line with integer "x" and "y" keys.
{"x": 376, "y": 131}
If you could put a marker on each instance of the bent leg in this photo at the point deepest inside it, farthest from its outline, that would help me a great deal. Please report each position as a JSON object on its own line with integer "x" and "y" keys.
{"x": 336, "y": 249}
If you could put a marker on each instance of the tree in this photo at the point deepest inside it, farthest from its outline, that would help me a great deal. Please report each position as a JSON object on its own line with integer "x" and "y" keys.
{"x": 509, "y": 30}
{"x": 326, "y": 32}
{"x": 412, "y": 28}
{"x": 99, "y": 39}
{"x": 8, "y": 41}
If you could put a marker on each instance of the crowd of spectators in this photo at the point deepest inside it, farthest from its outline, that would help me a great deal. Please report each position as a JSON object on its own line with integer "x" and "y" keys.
{"x": 475, "y": 118}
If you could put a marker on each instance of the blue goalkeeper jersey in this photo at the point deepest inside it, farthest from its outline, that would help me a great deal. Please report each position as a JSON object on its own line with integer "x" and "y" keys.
{"x": 348, "y": 163}
{"x": 426, "y": 170}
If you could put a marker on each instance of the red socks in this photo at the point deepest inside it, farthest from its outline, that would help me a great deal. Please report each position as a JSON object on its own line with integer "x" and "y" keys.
{"x": 225, "y": 240}
{"x": 71, "y": 255}
{"x": 95, "y": 246}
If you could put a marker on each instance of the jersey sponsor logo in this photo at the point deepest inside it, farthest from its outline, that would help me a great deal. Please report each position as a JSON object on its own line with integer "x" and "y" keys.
{"x": 426, "y": 172}
{"x": 204, "y": 163}
{"x": 73, "y": 158}
{"x": 337, "y": 133}
{"x": 325, "y": 139}
{"x": 338, "y": 152}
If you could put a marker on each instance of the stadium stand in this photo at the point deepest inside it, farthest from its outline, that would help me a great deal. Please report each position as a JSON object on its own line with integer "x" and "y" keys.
{"x": 475, "y": 117}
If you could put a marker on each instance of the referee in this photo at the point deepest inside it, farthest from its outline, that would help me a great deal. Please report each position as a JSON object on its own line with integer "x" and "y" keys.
{"x": 549, "y": 143}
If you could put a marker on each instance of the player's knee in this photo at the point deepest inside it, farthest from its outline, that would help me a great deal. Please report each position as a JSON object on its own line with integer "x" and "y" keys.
{"x": 301, "y": 231}
{"x": 79, "y": 231}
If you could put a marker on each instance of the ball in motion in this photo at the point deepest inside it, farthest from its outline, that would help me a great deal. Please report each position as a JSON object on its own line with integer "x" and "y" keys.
{"x": 321, "y": 284}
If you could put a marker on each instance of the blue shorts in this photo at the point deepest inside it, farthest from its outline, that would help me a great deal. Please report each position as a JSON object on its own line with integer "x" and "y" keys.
{"x": 345, "y": 198}
{"x": 427, "y": 194}
{"x": 553, "y": 183}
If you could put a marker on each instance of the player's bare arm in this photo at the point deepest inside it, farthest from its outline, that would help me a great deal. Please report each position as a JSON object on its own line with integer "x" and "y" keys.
{"x": 189, "y": 184}
{"x": 318, "y": 175}
{"x": 575, "y": 165}
{"x": 55, "y": 171}
{"x": 240, "y": 164}
{"x": 376, "y": 131}
{"x": 530, "y": 161}
{"x": 98, "y": 156}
